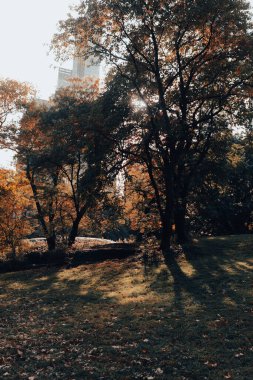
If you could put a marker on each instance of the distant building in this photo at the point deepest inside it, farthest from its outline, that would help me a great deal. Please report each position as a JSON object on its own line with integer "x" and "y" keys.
{"x": 82, "y": 68}
{"x": 63, "y": 76}
{"x": 42, "y": 102}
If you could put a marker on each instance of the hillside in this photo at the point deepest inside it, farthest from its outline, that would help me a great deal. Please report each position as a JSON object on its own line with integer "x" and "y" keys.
{"x": 121, "y": 320}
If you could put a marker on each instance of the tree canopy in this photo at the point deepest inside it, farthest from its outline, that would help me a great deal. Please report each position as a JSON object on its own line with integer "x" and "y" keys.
{"x": 188, "y": 67}
{"x": 13, "y": 97}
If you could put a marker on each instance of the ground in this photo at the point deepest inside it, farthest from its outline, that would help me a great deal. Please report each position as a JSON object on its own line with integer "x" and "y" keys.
{"x": 121, "y": 320}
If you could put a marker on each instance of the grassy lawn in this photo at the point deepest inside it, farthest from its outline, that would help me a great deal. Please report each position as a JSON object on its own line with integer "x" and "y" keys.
{"x": 120, "y": 320}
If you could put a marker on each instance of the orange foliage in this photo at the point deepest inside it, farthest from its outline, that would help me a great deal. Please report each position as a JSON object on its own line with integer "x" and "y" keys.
{"x": 14, "y": 206}
{"x": 139, "y": 203}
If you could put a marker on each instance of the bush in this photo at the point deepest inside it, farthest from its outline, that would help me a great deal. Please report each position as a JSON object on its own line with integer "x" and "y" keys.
{"x": 57, "y": 256}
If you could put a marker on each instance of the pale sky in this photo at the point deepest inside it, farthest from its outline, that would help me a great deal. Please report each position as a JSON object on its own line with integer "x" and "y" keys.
{"x": 26, "y": 29}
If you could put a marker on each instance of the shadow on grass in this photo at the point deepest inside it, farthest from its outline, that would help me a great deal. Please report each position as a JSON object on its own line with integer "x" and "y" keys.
{"x": 67, "y": 323}
{"x": 215, "y": 270}
{"x": 211, "y": 282}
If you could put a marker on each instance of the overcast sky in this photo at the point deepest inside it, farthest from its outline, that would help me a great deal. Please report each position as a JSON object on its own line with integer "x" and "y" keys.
{"x": 26, "y": 29}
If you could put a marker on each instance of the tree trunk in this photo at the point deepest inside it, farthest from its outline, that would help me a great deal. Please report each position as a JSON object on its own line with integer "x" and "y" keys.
{"x": 13, "y": 252}
{"x": 167, "y": 229}
{"x": 180, "y": 222}
{"x": 165, "y": 240}
{"x": 73, "y": 232}
{"x": 75, "y": 225}
{"x": 51, "y": 242}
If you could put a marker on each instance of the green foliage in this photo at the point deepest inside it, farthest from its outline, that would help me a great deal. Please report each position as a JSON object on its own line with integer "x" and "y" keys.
{"x": 222, "y": 198}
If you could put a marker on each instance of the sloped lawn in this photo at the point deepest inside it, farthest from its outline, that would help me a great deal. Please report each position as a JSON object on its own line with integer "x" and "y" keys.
{"x": 121, "y": 320}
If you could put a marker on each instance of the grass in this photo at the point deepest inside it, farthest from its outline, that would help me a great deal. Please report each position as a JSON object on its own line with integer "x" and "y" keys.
{"x": 120, "y": 320}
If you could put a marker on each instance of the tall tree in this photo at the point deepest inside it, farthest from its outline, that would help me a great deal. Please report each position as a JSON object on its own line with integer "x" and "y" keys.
{"x": 64, "y": 156}
{"x": 30, "y": 143}
{"x": 188, "y": 64}
{"x": 75, "y": 125}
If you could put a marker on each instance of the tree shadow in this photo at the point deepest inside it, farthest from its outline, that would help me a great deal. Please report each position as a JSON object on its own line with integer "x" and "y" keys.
{"x": 44, "y": 287}
{"x": 72, "y": 316}
{"x": 211, "y": 283}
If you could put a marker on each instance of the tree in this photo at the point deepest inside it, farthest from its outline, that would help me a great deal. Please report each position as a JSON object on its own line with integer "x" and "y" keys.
{"x": 29, "y": 140}
{"x": 222, "y": 202}
{"x": 79, "y": 152}
{"x": 14, "y": 210}
{"x": 13, "y": 96}
{"x": 61, "y": 150}
{"x": 188, "y": 64}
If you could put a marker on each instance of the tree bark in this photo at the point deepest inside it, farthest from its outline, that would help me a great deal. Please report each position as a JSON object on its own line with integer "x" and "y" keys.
{"x": 13, "y": 252}
{"x": 167, "y": 222}
{"x": 51, "y": 242}
{"x": 75, "y": 226}
{"x": 165, "y": 240}
{"x": 180, "y": 222}
{"x": 73, "y": 232}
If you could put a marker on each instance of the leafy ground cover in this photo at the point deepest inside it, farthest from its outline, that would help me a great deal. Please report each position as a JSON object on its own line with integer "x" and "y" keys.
{"x": 123, "y": 320}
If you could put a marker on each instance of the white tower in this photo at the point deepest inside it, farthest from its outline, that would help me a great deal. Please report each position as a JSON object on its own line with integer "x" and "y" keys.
{"x": 82, "y": 68}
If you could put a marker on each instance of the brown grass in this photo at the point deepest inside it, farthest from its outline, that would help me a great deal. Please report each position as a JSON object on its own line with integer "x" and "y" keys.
{"x": 120, "y": 320}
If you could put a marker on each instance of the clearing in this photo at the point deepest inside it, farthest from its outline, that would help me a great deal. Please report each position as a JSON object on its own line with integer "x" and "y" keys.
{"x": 121, "y": 320}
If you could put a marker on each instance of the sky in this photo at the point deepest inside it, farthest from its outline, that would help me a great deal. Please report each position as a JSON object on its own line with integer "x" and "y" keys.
{"x": 26, "y": 29}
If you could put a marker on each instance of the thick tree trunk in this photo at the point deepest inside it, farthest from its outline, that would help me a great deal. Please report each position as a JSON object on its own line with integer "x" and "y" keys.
{"x": 73, "y": 232}
{"x": 165, "y": 240}
{"x": 51, "y": 242}
{"x": 180, "y": 222}
{"x": 13, "y": 252}
{"x": 167, "y": 222}
{"x": 75, "y": 226}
